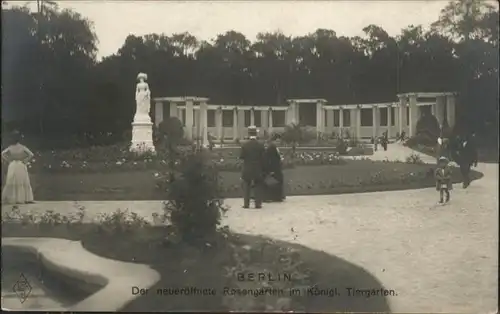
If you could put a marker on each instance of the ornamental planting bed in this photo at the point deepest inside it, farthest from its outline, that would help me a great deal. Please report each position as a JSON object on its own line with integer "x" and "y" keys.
{"x": 348, "y": 176}
{"x": 215, "y": 266}
{"x": 118, "y": 158}
{"x": 111, "y": 159}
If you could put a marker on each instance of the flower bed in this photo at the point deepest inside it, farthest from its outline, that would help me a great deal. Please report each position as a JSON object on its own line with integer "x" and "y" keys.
{"x": 120, "y": 159}
{"x": 352, "y": 176}
{"x": 228, "y": 160}
{"x": 223, "y": 265}
{"x": 427, "y": 150}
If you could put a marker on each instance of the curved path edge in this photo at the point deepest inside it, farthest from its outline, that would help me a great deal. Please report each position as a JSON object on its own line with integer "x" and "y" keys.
{"x": 70, "y": 259}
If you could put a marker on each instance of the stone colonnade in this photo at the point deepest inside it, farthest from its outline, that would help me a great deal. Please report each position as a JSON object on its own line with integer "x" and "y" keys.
{"x": 193, "y": 113}
{"x": 400, "y": 116}
{"x": 443, "y": 108}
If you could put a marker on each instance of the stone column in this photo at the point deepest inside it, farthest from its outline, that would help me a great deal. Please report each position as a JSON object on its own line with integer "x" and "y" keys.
{"x": 189, "y": 119}
{"x": 328, "y": 123}
{"x": 181, "y": 115}
{"x": 196, "y": 120}
{"x": 375, "y": 121}
{"x": 270, "y": 116}
{"x": 320, "y": 118}
{"x": 296, "y": 113}
{"x": 396, "y": 117}
{"x": 450, "y": 110}
{"x": 358, "y": 122}
{"x": 412, "y": 127}
{"x": 204, "y": 123}
{"x": 439, "y": 111}
{"x": 173, "y": 109}
{"x": 389, "y": 118}
{"x": 235, "y": 123}
{"x": 341, "y": 122}
{"x": 158, "y": 113}
{"x": 264, "y": 121}
{"x": 241, "y": 122}
{"x": 252, "y": 116}
{"x": 352, "y": 126}
{"x": 218, "y": 123}
{"x": 291, "y": 115}
{"x": 402, "y": 114}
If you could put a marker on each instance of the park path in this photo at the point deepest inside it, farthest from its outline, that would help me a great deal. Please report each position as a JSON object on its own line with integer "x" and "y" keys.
{"x": 437, "y": 258}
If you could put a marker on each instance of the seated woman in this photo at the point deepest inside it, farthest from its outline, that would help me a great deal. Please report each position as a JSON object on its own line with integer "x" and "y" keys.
{"x": 273, "y": 172}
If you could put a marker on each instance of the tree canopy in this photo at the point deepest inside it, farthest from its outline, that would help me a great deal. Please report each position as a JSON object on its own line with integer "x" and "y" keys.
{"x": 53, "y": 83}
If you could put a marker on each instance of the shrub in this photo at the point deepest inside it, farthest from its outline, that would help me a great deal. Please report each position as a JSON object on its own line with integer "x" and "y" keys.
{"x": 414, "y": 159}
{"x": 353, "y": 142}
{"x": 171, "y": 130}
{"x": 427, "y": 132}
{"x": 194, "y": 203}
{"x": 346, "y": 133}
{"x": 295, "y": 134}
{"x": 342, "y": 147}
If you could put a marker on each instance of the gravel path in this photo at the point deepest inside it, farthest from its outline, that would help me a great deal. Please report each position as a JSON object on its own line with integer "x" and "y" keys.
{"x": 437, "y": 258}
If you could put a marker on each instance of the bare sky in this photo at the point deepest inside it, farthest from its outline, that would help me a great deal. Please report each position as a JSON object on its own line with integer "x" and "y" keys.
{"x": 115, "y": 20}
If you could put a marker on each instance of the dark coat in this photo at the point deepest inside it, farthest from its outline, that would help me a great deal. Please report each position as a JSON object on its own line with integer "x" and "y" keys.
{"x": 443, "y": 175}
{"x": 273, "y": 159}
{"x": 253, "y": 156}
{"x": 464, "y": 151}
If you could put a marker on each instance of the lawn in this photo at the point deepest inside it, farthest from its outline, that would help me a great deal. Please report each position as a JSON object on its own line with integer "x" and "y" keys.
{"x": 218, "y": 265}
{"x": 350, "y": 177}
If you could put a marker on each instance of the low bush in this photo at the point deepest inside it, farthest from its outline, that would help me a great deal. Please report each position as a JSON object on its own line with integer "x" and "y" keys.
{"x": 193, "y": 198}
{"x": 342, "y": 147}
{"x": 360, "y": 150}
{"x": 171, "y": 129}
{"x": 414, "y": 159}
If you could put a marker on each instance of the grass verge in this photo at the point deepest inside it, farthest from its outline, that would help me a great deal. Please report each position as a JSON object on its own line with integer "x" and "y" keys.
{"x": 219, "y": 266}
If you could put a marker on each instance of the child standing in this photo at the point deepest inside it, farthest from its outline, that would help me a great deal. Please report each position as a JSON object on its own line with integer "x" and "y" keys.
{"x": 443, "y": 179}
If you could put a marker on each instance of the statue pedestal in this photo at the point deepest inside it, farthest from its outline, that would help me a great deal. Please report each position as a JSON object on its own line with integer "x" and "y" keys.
{"x": 142, "y": 137}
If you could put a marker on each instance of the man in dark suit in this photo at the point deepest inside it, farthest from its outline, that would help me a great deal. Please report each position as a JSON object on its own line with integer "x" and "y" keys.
{"x": 252, "y": 154}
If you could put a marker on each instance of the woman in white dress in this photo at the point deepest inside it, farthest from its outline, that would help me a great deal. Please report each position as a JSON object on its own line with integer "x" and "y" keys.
{"x": 17, "y": 188}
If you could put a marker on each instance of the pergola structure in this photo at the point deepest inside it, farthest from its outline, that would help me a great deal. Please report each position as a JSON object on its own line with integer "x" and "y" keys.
{"x": 443, "y": 108}
{"x": 359, "y": 120}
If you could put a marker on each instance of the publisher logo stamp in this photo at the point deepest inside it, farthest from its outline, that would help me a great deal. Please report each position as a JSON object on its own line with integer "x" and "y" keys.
{"x": 22, "y": 288}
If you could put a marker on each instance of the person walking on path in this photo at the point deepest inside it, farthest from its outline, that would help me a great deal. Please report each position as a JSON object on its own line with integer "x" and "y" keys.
{"x": 465, "y": 154}
{"x": 252, "y": 154}
{"x": 468, "y": 157}
{"x": 384, "y": 140}
{"x": 17, "y": 189}
{"x": 443, "y": 179}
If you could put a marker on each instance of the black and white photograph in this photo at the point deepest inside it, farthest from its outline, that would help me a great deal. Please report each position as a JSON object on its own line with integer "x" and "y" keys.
{"x": 250, "y": 156}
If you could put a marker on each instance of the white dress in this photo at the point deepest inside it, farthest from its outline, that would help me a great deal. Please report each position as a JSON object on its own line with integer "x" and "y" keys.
{"x": 17, "y": 188}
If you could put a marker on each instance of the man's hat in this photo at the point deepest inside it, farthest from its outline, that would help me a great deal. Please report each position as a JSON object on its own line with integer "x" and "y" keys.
{"x": 252, "y": 131}
{"x": 443, "y": 159}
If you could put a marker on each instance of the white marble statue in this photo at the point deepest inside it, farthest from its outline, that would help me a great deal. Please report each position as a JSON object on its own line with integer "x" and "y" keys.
{"x": 142, "y": 99}
{"x": 142, "y": 127}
